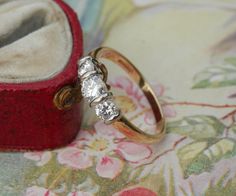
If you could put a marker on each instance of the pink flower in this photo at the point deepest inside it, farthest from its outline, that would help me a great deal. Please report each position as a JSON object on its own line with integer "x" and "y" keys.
{"x": 134, "y": 92}
{"x": 133, "y": 152}
{"x": 38, "y": 191}
{"x": 109, "y": 167}
{"x": 168, "y": 111}
{"x": 138, "y": 191}
{"x": 75, "y": 158}
{"x": 108, "y": 149}
{"x": 41, "y": 158}
{"x": 80, "y": 193}
{"x": 130, "y": 89}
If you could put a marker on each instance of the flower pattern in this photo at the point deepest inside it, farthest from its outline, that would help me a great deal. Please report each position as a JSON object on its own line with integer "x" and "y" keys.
{"x": 137, "y": 191}
{"x": 41, "y": 158}
{"x": 108, "y": 149}
{"x": 80, "y": 193}
{"x": 75, "y": 158}
{"x": 38, "y": 191}
{"x": 139, "y": 100}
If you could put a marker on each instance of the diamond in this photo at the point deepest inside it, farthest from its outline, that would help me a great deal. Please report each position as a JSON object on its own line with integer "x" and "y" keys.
{"x": 107, "y": 110}
{"x": 86, "y": 65}
{"x": 94, "y": 88}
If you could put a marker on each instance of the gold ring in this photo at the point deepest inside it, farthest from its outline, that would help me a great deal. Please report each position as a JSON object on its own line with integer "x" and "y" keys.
{"x": 94, "y": 88}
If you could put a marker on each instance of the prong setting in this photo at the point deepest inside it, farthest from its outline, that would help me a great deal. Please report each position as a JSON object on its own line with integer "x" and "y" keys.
{"x": 101, "y": 98}
{"x": 94, "y": 89}
{"x": 107, "y": 110}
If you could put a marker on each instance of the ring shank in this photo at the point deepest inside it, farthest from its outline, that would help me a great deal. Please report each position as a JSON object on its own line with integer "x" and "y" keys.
{"x": 123, "y": 124}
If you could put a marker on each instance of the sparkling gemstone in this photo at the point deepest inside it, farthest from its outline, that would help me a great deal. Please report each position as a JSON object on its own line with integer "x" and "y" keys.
{"x": 107, "y": 110}
{"x": 93, "y": 88}
{"x": 86, "y": 65}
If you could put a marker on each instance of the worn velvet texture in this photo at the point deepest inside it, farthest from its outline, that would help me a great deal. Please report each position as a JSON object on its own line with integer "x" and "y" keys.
{"x": 40, "y": 43}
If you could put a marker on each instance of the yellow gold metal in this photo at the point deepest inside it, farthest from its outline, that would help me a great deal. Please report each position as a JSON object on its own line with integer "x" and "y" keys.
{"x": 104, "y": 71}
{"x": 66, "y": 97}
{"x": 123, "y": 124}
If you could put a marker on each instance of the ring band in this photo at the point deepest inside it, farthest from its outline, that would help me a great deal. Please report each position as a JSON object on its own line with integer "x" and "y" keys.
{"x": 93, "y": 76}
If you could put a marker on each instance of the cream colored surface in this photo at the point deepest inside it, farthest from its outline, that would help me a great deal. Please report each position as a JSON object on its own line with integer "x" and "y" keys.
{"x": 174, "y": 44}
{"x": 35, "y": 40}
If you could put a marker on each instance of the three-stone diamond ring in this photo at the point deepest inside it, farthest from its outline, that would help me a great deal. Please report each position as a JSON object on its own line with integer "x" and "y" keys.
{"x": 95, "y": 90}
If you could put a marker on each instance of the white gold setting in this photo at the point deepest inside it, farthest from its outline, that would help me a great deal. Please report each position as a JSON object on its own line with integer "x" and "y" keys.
{"x": 107, "y": 110}
{"x": 95, "y": 90}
{"x": 88, "y": 66}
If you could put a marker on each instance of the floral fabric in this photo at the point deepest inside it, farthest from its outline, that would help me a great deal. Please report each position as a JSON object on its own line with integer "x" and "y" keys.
{"x": 186, "y": 50}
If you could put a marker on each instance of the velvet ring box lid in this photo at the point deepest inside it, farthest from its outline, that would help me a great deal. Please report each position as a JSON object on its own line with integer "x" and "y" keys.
{"x": 40, "y": 44}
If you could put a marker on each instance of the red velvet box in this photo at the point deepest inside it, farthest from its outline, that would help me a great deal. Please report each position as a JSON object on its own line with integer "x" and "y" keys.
{"x": 29, "y": 119}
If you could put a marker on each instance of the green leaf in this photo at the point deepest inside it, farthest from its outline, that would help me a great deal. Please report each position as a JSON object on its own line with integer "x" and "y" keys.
{"x": 198, "y": 157}
{"x": 197, "y": 166}
{"x": 208, "y": 83}
{"x": 231, "y": 60}
{"x": 217, "y": 76}
{"x": 233, "y": 128}
{"x": 197, "y": 127}
{"x": 224, "y": 147}
{"x": 222, "y": 188}
{"x": 159, "y": 187}
{"x": 190, "y": 151}
{"x": 191, "y": 159}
